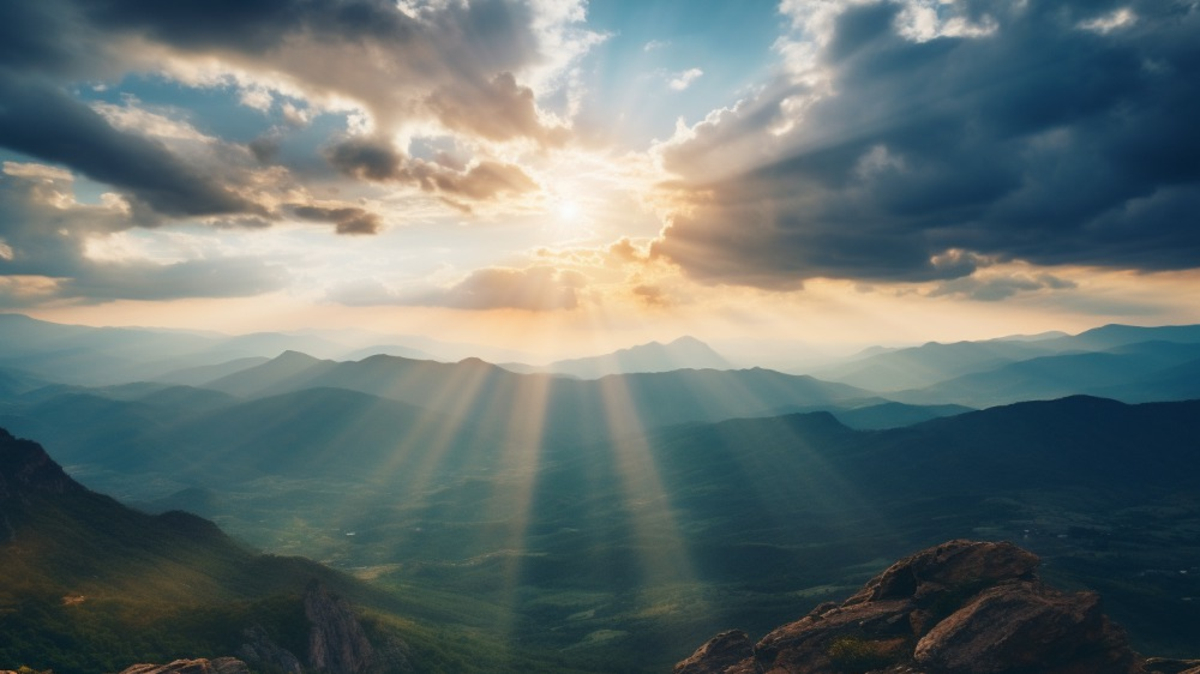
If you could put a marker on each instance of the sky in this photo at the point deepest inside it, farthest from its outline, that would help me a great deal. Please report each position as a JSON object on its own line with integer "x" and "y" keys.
{"x": 568, "y": 177}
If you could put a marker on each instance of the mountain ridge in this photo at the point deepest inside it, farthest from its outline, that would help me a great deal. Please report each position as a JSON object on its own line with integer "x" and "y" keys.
{"x": 682, "y": 353}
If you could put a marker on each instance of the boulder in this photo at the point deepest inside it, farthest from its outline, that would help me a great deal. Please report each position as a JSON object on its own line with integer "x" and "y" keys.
{"x": 962, "y": 607}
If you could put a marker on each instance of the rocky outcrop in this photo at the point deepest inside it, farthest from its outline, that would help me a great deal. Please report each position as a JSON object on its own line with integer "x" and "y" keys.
{"x": 1170, "y": 666}
{"x": 260, "y": 651}
{"x": 719, "y": 654}
{"x": 198, "y": 666}
{"x": 959, "y": 608}
{"x": 337, "y": 643}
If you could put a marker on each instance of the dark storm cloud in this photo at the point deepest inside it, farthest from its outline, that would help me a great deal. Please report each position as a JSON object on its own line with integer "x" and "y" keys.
{"x": 1055, "y": 139}
{"x": 452, "y": 63}
{"x": 42, "y": 122}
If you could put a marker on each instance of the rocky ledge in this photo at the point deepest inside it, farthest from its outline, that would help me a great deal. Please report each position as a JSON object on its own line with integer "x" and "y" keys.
{"x": 198, "y": 666}
{"x": 962, "y": 607}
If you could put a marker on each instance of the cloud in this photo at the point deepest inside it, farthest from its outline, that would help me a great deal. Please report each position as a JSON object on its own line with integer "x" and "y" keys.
{"x": 993, "y": 288}
{"x": 45, "y": 123}
{"x": 650, "y": 295}
{"x": 483, "y": 181}
{"x": 222, "y": 277}
{"x": 497, "y": 110}
{"x": 367, "y": 159}
{"x": 45, "y": 236}
{"x": 452, "y": 62}
{"x": 684, "y": 79}
{"x": 1000, "y": 130}
{"x": 433, "y": 68}
{"x": 378, "y": 160}
{"x": 539, "y": 288}
{"x": 347, "y": 219}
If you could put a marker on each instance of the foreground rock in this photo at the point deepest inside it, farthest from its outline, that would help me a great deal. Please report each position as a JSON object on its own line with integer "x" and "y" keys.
{"x": 198, "y": 666}
{"x": 959, "y": 608}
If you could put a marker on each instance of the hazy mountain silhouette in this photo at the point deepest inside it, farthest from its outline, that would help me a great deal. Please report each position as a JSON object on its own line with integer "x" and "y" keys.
{"x": 680, "y": 354}
{"x": 1114, "y": 335}
{"x": 390, "y": 350}
{"x": 933, "y": 363}
{"x": 876, "y": 413}
{"x": 1139, "y": 372}
{"x": 925, "y": 365}
{"x": 14, "y": 382}
{"x": 77, "y": 354}
{"x": 894, "y": 415}
{"x": 202, "y": 374}
{"x": 538, "y": 405}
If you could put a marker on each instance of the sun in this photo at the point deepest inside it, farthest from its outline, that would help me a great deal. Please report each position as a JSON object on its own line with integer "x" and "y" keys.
{"x": 569, "y": 211}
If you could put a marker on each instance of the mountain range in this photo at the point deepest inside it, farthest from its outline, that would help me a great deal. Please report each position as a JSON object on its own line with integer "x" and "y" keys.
{"x": 83, "y": 355}
{"x": 747, "y": 509}
{"x": 586, "y": 517}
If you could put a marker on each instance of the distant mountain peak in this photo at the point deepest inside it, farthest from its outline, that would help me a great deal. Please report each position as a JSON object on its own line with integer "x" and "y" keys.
{"x": 683, "y": 353}
{"x": 295, "y": 356}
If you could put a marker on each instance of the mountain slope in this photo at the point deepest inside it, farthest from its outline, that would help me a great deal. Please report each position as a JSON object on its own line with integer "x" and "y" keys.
{"x": 81, "y": 569}
{"x": 89, "y": 585}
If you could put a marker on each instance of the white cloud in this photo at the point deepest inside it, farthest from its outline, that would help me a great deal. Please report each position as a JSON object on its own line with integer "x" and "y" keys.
{"x": 1121, "y": 18}
{"x": 684, "y": 79}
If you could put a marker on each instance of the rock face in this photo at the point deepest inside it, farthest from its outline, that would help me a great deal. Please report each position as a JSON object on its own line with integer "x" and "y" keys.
{"x": 719, "y": 654}
{"x": 336, "y": 643}
{"x": 959, "y": 608}
{"x": 199, "y": 666}
{"x": 261, "y": 651}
